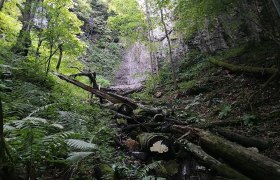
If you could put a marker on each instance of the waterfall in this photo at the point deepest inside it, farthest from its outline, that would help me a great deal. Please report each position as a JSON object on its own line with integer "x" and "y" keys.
{"x": 134, "y": 67}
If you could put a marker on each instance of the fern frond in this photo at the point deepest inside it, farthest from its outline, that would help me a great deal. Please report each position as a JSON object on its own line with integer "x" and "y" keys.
{"x": 61, "y": 136}
{"x": 149, "y": 167}
{"x": 56, "y": 125}
{"x": 80, "y": 144}
{"x": 8, "y": 128}
{"x": 78, "y": 156}
{"x": 29, "y": 121}
{"x": 73, "y": 121}
{"x": 153, "y": 178}
{"x": 40, "y": 109}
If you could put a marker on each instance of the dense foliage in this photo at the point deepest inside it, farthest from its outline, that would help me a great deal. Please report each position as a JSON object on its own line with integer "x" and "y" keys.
{"x": 129, "y": 20}
{"x": 50, "y": 129}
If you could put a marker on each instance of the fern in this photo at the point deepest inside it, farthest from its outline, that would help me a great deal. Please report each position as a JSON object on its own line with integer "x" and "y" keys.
{"x": 40, "y": 109}
{"x": 57, "y": 126}
{"x": 73, "y": 121}
{"x": 149, "y": 167}
{"x": 153, "y": 178}
{"x": 78, "y": 156}
{"x": 80, "y": 145}
{"x": 29, "y": 121}
{"x": 61, "y": 136}
{"x": 8, "y": 128}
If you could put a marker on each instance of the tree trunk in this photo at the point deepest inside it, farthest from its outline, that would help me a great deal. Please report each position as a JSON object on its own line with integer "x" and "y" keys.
{"x": 149, "y": 34}
{"x": 248, "y": 162}
{"x": 243, "y": 140}
{"x": 2, "y": 4}
{"x": 23, "y": 42}
{"x": 169, "y": 49}
{"x": 154, "y": 142}
{"x": 40, "y": 41}
{"x": 2, "y": 142}
{"x": 49, "y": 60}
{"x": 60, "y": 56}
{"x": 52, "y": 52}
{"x": 209, "y": 161}
{"x": 114, "y": 98}
{"x": 6, "y": 167}
{"x": 244, "y": 69}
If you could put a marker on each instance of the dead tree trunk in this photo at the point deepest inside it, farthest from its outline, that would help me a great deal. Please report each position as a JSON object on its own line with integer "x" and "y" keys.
{"x": 245, "y": 69}
{"x": 248, "y": 162}
{"x": 114, "y": 98}
{"x": 209, "y": 161}
{"x": 243, "y": 140}
{"x": 154, "y": 143}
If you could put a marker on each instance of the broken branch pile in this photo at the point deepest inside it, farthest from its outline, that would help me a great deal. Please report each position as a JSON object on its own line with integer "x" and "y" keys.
{"x": 157, "y": 133}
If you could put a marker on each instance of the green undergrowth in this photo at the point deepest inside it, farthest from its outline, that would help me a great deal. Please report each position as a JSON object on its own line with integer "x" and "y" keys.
{"x": 254, "y": 54}
{"x": 50, "y": 127}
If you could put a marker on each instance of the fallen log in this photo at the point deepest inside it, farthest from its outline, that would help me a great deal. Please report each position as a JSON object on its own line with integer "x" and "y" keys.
{"x": 109, "y": 96}
{"x": 119, "y": 115}
{"x": 177, "y": 122}
{"x": 158, "y": 118}
{"x": 249, "y": 163}
{"x": 120, "y": 108}
{"x": 243, "y": 140}
{"x": 125, "y": 93}
{"x": 146, "y": 110}
{"x": 246, "y": 69}
{"x": 145, "y": 126}
{"x": 214, "y": 124}
{"x": 210, "y": 162}
{"x": 153, "y": 142}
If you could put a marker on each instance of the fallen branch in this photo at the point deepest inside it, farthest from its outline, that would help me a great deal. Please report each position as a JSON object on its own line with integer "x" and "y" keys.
{"x": 145, "y": 126}
{"x": 214, "y": 124}
{"x": 248, "y": 69}
{"x": 109, "y": 96}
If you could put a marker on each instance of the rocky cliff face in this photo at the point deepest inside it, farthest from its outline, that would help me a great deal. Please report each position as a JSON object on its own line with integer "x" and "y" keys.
{"x": 245, "y": 23}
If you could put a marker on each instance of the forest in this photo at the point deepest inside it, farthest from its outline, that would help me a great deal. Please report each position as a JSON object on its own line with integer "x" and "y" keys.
{"x": 139, "y": 89}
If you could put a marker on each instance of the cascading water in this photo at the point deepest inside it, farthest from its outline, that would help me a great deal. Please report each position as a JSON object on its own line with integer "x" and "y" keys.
{"x": 134, "y": 67}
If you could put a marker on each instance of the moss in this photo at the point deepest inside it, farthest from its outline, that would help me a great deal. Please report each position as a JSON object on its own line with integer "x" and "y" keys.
{"x": 187, "y": 85}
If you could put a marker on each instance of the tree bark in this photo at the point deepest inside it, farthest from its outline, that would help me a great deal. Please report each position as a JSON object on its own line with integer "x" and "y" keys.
{"x": 60, "y": 57}
{"x": 209, "y": 161}
{"x": 2, "y": 142}
{"x": 114, "y": 98}
{"x": 248, "y": 162}
{"x": 23, "y": 42}
{"x": 6, "y": 167}
{"x": 243, "y": 140}
{"x": 154, "y": 142}
{"x": 150, "y": 36}
{"x": 169, "y": 49}
{"x": 245, "y": 69}
{"x": 52, "y": 52}
{"x": 2, "y": 4}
